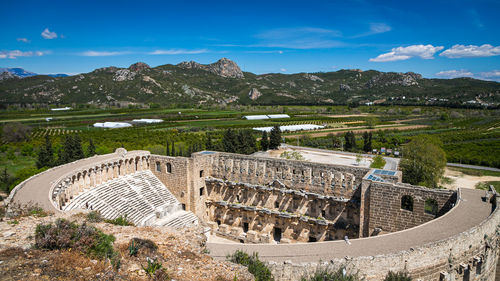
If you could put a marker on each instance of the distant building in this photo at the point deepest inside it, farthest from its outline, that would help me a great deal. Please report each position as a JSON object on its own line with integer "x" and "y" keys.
{"x": 112, "y": 125}
{"x": 48, "y": 119}
{"x": 147, "y": 121}
{"x": 292, "y": 128}
{"x": 61, "y": 108}
{"x": 255, "y": 117}
{"x": 276, "y": 116}
{"x": 262, "y": 117}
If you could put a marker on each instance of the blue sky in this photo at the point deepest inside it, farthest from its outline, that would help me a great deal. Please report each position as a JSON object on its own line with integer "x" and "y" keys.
{"x": 435, "y": 38}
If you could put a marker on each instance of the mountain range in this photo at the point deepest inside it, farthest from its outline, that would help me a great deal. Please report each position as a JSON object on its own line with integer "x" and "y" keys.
{"x": 21, "y": 73}
{"x": 223, "y": 82}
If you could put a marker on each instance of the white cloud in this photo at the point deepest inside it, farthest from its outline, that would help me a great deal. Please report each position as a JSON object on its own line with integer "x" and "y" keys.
{"x": 379, "y": 28}
{"x": 178, "y": 52}
{"x": 470, "y": 51}
{"x": 490, "y": 74}
{"x": 25, "y": 40}
{"x": 404, "y": 53}
{"x": 455, "y": 73}
{"x": 298, "y": 38}
{"x": 47, "y": 34}
{"x": 283, "y": 69}
{"x": 102, "y": 54}
{"x": 17, "y": 53}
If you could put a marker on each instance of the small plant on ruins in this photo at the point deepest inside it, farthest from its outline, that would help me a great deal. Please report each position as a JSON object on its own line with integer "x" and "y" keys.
{"x": 132, "y": 249}
{"x": 94, "y": 216}
{"x": 64, "y": 235}
{"x": 153, "y": 267}
{"x": 121, "y": 220}
{"x": 137, "y": 244}
{"x": 13, "y": 222}
{"x": 255, "y": 266}
{"x": 397, "y": 276}
{"x": 292, "y": 155}
{"x": 328, "y": 273}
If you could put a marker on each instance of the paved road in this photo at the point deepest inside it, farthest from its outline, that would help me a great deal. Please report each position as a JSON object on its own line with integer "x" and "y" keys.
{"x": 470, "y": 212}
{"x": 36, "y": 191}
{"x": 473, "y": 167}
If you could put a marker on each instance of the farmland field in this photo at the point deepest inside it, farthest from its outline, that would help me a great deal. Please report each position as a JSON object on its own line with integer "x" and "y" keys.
{"x": 469, "y": 136}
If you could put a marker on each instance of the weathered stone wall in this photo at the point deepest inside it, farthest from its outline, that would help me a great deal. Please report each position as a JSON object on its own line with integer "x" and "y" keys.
{"x": 239, "y": 208}
{"x": 327, "y": 179}
{"x": 175, "y": 178}
{"x": 385, "y": 205}
{"x": 471, "y": 255}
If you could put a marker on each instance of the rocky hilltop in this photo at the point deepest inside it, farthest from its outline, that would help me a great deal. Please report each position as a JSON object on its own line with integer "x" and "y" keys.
{"x": 223, "y": 82}
{"x": 223, "y": 67}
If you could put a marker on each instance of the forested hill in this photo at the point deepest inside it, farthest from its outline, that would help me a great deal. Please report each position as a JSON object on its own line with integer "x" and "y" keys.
{"x": 223, "y": 82}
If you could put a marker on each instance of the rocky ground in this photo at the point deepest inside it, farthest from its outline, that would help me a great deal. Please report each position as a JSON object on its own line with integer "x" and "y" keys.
{"x": 182, "y": 254}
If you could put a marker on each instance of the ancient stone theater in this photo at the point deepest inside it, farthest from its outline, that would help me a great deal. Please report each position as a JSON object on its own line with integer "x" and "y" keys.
{"x": 295, "y": 214}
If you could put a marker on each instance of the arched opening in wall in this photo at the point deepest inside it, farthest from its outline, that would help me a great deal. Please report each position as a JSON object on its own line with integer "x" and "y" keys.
{"x": 312, "y": 238}
{"x": 431, "y": 207}
{"x": 202, "y": 191}
{"x": 407, "y": 203}
{"x": 158, "y": 167}
{"x": 169, "y": 168}
{"x": 245, "y": 227}
{"x": 276, "y": 204}
{"x": 201, "y": 173}
{"x": 183, "y": 206}
{"x": 218, "y": 222}
{"x": 277, "y": 234}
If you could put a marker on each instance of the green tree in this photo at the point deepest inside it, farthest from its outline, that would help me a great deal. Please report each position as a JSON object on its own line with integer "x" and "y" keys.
{"x": 77, "y": 148}
{"x": 423, "y": 162}
{"x": 275, "y": 137}
{"x": 378, "y": 162}
{"x": 208, "y": 141}
{"x": 167, "y": 149}
{"x": 350, "y": 141}
{"x": 264, "y": 141}
{"x": 91, "y": 148}
{"x": 367, "y": 141}
{"x": 46, "y": 154}
{"x": 229, "y": 141}
{"x": 15, "y": 132}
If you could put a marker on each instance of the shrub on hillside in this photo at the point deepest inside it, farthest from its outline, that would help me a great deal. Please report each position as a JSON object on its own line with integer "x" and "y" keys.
{"x": 255, "y": 266}
{"x": 397, "y": 276}
{"x": 121, "y": 220}
{"x": 64, "y": 234}
{"x": 330, "y": 274}
{"x": 94, "y": 216}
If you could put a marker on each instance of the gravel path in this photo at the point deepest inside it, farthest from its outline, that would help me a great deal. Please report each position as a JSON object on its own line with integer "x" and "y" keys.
{"x": 470, "y": 212}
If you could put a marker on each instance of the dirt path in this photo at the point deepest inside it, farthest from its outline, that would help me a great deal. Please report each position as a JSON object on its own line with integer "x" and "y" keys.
{"x": 466, "y": 181}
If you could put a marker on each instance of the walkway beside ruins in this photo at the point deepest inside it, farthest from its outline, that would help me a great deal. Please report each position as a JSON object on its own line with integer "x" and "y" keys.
{"x": 470, "y": 212}
{"x": 36, "y": 191}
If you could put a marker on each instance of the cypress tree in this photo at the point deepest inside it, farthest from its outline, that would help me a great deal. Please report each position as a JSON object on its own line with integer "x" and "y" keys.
{"x": 208, "y": 141}
{"x": 46, "y": 154}
{"x": 173, "y": 149}
{"x": 91, "y": 148}
{"x": 229, "y": 141}
{"x": 264, "y": 142}
{"x": 77, "y": 148}
{"x": 167, "y": 152}
{"x": 367, "y": 146}
{"x": 275, "y": 137}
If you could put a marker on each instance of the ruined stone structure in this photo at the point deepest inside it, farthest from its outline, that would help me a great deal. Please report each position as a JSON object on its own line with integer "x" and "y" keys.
{"x": 294, "y": 213}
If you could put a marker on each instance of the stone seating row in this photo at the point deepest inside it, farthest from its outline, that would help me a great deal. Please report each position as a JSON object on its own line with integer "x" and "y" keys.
{"x": 139, "y": 196}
